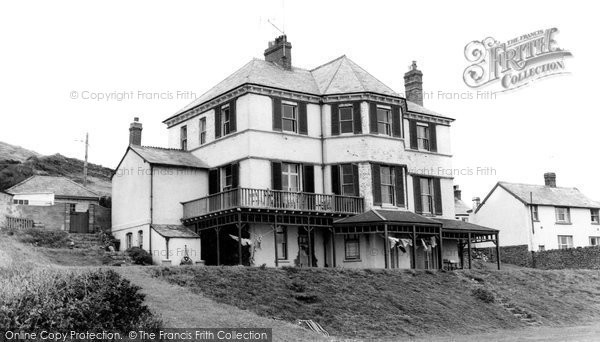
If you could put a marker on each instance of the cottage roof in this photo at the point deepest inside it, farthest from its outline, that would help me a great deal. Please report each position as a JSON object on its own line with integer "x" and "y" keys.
{"x": 59, "y": 186}
{"x": 168, "y": 156}
{"x": 339, "y": 76}
{"x": 545, "y": 195}
{"x": 174, "y": 231}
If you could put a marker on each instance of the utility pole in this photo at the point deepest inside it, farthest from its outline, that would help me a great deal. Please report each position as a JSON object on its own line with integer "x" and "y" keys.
{"x": 85, "y": 162}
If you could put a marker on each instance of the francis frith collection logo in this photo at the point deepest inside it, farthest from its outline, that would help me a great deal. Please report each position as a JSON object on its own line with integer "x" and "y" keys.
{"x": 515, "y": 63}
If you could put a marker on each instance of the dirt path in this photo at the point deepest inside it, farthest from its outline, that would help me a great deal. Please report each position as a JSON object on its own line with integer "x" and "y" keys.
{"x": 180, "y": 308}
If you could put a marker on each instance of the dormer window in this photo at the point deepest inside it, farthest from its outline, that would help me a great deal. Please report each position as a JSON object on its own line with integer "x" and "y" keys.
{"x": 423, "y": 137}
{"x": 384, "y": 121}
{"x": 289, "y": 117}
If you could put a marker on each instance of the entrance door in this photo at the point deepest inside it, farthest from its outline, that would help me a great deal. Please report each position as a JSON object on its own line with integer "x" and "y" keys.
{"x": 303, "y": 247}
{"x": 79, "y": 222}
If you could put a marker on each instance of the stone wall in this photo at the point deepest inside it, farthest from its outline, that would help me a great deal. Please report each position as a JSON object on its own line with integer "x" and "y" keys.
{"x": 517, "y": 255}
{"x": 571, "y": 258}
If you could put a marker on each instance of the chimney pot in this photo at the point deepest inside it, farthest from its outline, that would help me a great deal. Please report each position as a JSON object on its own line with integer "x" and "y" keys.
{"x": 413, "y": 84}
{"x": 457, "y": 192}
{"x": 550, "y": 179}
{"x": 476, "y": 203}
{"x": 135, "y": 132}
{"x": 280, "y": 52}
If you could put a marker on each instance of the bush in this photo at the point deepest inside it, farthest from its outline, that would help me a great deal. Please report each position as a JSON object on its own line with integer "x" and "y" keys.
{"x": 44, "y": 238}
{"x": 484, "y": 295}
{"x": 139, "y": 256}
{"x": 64, "y": 301}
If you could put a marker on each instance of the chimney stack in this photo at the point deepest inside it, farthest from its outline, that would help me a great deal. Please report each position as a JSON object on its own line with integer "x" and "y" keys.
{"x": 280, "y": 52}
{"x": 550, "y": 179}
{"x": 413, "y": 84}
{"x": 457, "y": 192}
{"x": 476, "y": 203}
{"x": 135, "y": 132}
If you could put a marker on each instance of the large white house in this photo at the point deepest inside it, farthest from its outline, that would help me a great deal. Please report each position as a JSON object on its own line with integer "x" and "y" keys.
{"x": 540, "y": 216}
{"x": 280, "y": 165}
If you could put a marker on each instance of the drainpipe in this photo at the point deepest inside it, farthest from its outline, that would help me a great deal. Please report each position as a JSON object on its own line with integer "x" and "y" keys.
{"x": 151, "y": 209}
{"x": 321, "y": 104}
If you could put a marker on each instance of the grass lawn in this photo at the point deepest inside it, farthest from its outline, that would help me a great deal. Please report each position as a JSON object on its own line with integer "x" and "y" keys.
{"x": 396, "y": 303}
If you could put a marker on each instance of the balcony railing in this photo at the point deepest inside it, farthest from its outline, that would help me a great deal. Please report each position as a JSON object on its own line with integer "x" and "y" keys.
{"x": 272, "y": 199}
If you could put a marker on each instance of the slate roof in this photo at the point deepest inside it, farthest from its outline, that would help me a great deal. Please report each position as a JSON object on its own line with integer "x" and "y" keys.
{"x": 59, "y": 186}
{"x": 174, "y": 231}
{"x": 546, "y": 195}
{"x": 460, "y": 208}
{"x": 340, "y": 75}
{"x": 168, "y": 156}
{"x": 449, "y": 224}
{"x": 381, "y": 215}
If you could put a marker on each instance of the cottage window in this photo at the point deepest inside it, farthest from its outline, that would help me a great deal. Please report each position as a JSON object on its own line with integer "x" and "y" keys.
{"x": 290, "y": 177}
{"x": 226, "y": 125}
{"x": 183, "y": 137}
{"x": 427, "y": 195}
{"x": 282, "y": 253}
{"x": 565, "y": 241}
{"x": 384, "y": 121}
{"x": 595, "y": 241}
{"x": 202, "y": 131}
{"x": 388, "y": 187}
{"x": 128, "y": 240}
{"x": 289, "y": 117}
{"x": 352, "y": 246}
{"x": 24, "y": 202}
{"x": 72, "y": 207}
{"x": 423, "y": 137}
{"x": 534, "y": 213}
{"x": 141, "y": 238}
{"x": 563, "y": 215}
{"x": 541, "y": 248}
{"x": 346, "y": 119}
{"x": 594, "y": 214}
{"x": 348, "y": 180}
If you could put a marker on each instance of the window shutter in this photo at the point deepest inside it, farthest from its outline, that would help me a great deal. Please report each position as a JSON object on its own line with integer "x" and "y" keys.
{"x": 235, "y": 175}
{"x": 376, "y": 176}
{"x": 276, "y": 114}
{"x": 217, "y": 122}
{"x": 373, "y": 117}
{"x": 335, "y": 179}
{"x": 276, "y": 175}
{"x": 302, "y": 120}
{"x": 357, "y": 118}
{"x": 335, "y": 119}
{"x": 355, "y": 179}
{"x": 309, "y": 178}
{"x": 396, "y": 121}
{"x": 214, "y": 185}
{"x": 437, "y": 188}
{"x": 417, "y": 194}
{"x": 413, "y": 134}
{"x": 398, "y": 172}
{"x": 232, "y": 117}
{"x": 432, "y": 138}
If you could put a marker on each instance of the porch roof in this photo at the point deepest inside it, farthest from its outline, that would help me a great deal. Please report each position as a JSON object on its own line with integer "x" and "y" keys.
{"x": 378, "y": 216}
{"x": 462, "y": 226}
{"x": 174, "y": 231}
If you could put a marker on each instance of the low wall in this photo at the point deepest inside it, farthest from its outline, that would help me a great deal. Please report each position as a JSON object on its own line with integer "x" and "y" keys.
{"x": 517, "y": 255}
{"x": 571, "y": 258}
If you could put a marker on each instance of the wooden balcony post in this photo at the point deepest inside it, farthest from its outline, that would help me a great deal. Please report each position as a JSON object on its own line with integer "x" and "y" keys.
{"x": 310, "y": 251}
{"x": 413, "y": 248}
{"x": 441, "y": 251}
{"x": 498, "y": 250}
{"x": 333, "y": 246}
{"x": 239, "y": 227}
{"x": 275, "y": 242}
{"x": 217, "y": 230}
{"x": 469, "y": 248}
{"x": 386, "y": 243}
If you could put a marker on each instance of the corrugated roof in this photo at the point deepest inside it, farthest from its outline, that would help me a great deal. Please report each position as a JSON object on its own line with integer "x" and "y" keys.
{"x": 381, "y": 215}
{"x": 59, "y": 186}
{"x": 167, "y": 156}
{"x": 174, "y": 231}
{"x": 338, "y": 76}
{"x": 462, "y": 225}
{"x": 546, "y": 195}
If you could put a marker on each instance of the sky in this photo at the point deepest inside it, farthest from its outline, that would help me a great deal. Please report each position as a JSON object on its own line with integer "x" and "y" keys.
{"x": 151, "y": 58}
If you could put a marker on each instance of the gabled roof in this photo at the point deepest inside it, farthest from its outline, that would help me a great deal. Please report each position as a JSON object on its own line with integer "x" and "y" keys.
{"x": 448, "y": 224}
{"x": 168, "y": 156}
{"x": 339, "y": 76}
{"x": 59, "y": 186}
{"x": 174, "y": 231}
{"x": 460, "y": 208}
{"x": 545, "y": 195}
{"x": 391, "y": 216}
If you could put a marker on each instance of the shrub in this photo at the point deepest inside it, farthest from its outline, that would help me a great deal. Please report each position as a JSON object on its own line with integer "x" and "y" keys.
{"x": 139, "y": 256}
{"x": 44, "y": 238}
{"x": 484, "y": 295}
{"x": 55, "y": 300}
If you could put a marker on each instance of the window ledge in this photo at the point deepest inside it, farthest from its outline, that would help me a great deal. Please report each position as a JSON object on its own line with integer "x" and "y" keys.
{"x": 564, "y": 223}
{"x": 352, "y": 260}
{"x": 283, "y": 261}
{"x": 429, "y": 152}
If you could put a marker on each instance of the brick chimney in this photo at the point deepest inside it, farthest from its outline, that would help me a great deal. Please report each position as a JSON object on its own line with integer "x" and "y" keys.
{"x": 550, "y": 179}
{"x": 457, "y": 192}
{"x": 413, "y": 84}
{"x": 135, "y": 132}
{"x": 280, "y": 52}
{"x": 476, "y": 203}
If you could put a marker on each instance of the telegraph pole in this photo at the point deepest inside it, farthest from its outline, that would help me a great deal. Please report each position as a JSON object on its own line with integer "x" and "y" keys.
{"x": 85, "y": 162}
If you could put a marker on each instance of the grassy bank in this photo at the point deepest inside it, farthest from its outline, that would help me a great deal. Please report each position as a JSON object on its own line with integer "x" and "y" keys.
{"x": 380, "y": 303}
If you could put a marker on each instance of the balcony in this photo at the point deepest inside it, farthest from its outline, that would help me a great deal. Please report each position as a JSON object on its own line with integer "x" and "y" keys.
{"x": 273, "y": 200}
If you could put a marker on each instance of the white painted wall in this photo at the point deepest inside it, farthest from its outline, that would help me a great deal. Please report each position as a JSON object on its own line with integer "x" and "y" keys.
{"x": 547, "y": 230}
{"x": 171, "y": 186}
{"x": 131, "y": 193}
{"x": 38, "y": 199}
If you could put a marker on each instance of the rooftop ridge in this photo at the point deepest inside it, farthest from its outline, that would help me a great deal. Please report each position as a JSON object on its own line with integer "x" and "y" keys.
{"x": 162, "y": 148}
{"x": 538, "y": 185}
{"x": 327, "y": 63}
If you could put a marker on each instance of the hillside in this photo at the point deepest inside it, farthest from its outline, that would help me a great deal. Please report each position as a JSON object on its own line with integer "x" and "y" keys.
{"x": 17, "y": 164}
